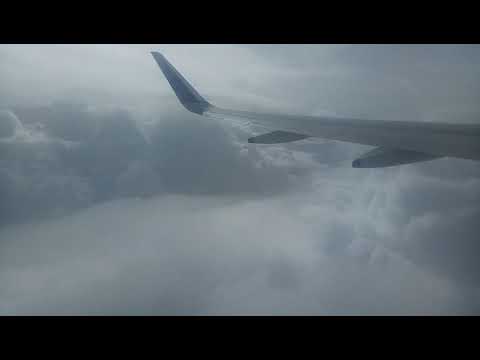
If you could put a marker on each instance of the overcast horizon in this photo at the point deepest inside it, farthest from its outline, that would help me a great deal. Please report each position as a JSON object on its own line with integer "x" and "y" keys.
{"x": 117, "y": 201}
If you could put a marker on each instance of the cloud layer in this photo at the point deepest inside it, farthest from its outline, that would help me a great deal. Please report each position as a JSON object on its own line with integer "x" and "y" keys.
{"x": 117, "y": 201}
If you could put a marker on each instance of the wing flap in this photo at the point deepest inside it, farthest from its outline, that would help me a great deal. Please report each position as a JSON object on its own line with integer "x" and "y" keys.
{"x": 277, "y": 137}
{"x": 385, "y": 157}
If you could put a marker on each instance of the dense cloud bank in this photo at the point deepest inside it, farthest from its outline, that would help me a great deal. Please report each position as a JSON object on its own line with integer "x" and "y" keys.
{"x": 63, "y": 157}
{"x": 188, "y": 255}
{"x": 181, "y": 216}
{"x": 116, "y": 201}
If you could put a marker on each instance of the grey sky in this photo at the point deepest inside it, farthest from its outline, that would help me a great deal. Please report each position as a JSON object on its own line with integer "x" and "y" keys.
{"x": 115, "y": 200}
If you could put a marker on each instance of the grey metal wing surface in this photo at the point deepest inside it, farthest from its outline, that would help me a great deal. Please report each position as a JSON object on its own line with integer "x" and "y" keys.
{"x": 396, "y": 142}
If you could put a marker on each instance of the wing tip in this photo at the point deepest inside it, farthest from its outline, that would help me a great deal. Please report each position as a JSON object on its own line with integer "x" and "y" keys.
{"x": 159, "y": 58}
{"x": 185, "y": 92}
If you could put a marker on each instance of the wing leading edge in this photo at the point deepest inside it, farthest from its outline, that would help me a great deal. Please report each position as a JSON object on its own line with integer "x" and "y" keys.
{"x": 397, "y": 142}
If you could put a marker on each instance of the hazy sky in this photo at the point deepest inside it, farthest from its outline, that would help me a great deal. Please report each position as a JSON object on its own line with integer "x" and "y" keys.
{"x": 116, "y": 200}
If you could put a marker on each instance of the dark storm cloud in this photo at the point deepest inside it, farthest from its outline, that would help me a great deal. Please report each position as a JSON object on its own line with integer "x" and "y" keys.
{"x": 157, "y": 211}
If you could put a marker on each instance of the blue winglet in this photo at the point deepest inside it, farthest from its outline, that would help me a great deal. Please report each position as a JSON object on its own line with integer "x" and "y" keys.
{"x": 185, "y": 92}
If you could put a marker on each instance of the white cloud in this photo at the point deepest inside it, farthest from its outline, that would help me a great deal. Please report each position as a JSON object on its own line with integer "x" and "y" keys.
{"x": 240, "y": 257}
{"x": 295, "y": 230}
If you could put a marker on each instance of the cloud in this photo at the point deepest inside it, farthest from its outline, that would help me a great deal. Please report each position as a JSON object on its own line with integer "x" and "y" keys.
{"x": 73, "y": 156}
{"x": 8, "y": 124}
{"x": 117, "y": 201}
{"x": 225, "y": 261}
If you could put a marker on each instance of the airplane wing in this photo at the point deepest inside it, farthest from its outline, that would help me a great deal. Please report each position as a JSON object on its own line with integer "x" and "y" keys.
{"x": 396, "y": 142}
